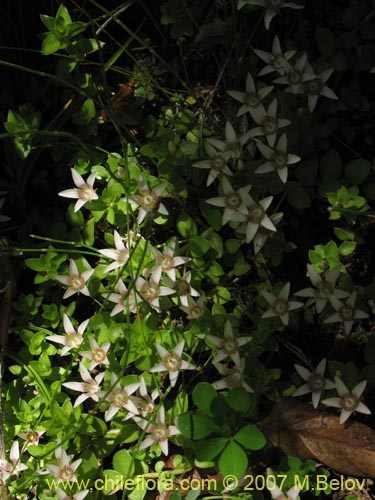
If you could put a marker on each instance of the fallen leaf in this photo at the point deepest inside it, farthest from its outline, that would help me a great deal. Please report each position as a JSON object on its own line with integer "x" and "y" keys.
{"x": 301, "y": 431}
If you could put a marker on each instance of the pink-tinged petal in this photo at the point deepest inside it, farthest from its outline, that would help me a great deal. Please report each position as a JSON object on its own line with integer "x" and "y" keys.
{"x": 243, "y": 340}
{"x": 218, "y": 342}
{"x": 283, "y": 174}
{"x": 348, "y": 325}
{"x": 292, "y": 305}
{"x": 87, "y": 274}
{"x": 265, "y": 168}
{"x": 82, "y": 327}
{"x": 269, "y": 314}
{"x": 65, "y": 350}
{"x": 161, "y": 416}
{"x": 73, "y": 270}
{"x": 68, "y": 326}
{"x": 344, "y": 415}
{"x": 54, "y": 469}
{"x": 360, "y": 314}
{"x": 111, "y": 254}
{"x": 362, "y": 408}
{"x": 301, "y": 391}
{"x": 268, "y": 224}
{"x": 315, "y": 398}
{"x": 351, "y": 300}
{"x": 84, "y": 291}
{"x": 90, "y": 182}
{"x": 220, "y": 385}
{"x": 266, "y": 202}
{"x": 334, "y": 318}
{"x": 146, "y": 443}
{"x": 230, "y": 133}
{"x": 111, "y": 412}
{"x": 173, "y": 376}
{"x": 285, "y": 319}
{"x": 117, "y": 309}
{"x": 293, "y": 159}
{"x": 320, "y": 304}
{"x": 306, "y": 292}
{"x": 284, "y": 292}
{"x": 328, "y": 384}
{"x": 219, "y": 201}
{"x": 239, "y": 96}
{"x": 82, "y": 398}
{"x": 173, "y": 430}
{"x": 270, "y": 298}
{"x": 268, "y": 16}
{"x": 275, "y": 491}
{"x": 130, "y": 406}
{"x": 312, "y": 101}
{"x": 158, "y": 368}
{"x": 69, "y": 292}
{"x": 69, "y": 193}
{"x": 164, "y": 290}
{"x": 14, "y": 453}
{"x": 228, "y": 330}
{"x": 314, "y": 276}
{"x": 293, "y": 493}
{"x": 63, "y": 279}
{"x": 326, "y": 92}
{"x": 75, "y": 386}
{"x": 79, "y": 205}
{"x": 164, "y": 446}
{"x": 178, "y": 350}
{"x": 335, "y": 402}
{"x": 251, "y": 231}
{"x": 160, "y": 188}
{"x": 302, "y": 372}
{"x": 163, "y": 353}
{"x": 59, "y": 339}
{"x": 76, "y": 464}
{"x": 341, "y": 387}
{"x": 185, "y": 365}
{"x": 359, "y": 388}
{"x": 77, "y": 178}
{"x": 321, "y": 367}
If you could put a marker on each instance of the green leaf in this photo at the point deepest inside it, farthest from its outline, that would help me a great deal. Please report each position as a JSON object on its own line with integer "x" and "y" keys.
{"x": 208, "y": 449}
{"x": 216, "y": 244}
{"x": 232, "y": 245}
{"x": 347, "y": 247}
{"x": 212, "y": 215}
{"x": 221, "y": 295}
{"x": 50, "y": 45}
{"x": 251, "y": 437}
{"x": 123, "y": 463}
{"x": 326, "y": 41}
{"x": 343, "y": 234}
{"x": 331, "y": 250}
{"x": 85, "y": 114}
{"x": 240, "y": 400}
{"x": 203, "y": 394}
{"x": 35, "y": 264}
{"x": 186, "y": 226}
{"x": 330, "y": 164}
{"x": 194, "y": 426}
{"x": 198, "y": 246}
{"x": 233, "y": 460}
{"x": 241, "y": 267}
{"x": 297, "y": 196}
{"x": 357, "y": 171}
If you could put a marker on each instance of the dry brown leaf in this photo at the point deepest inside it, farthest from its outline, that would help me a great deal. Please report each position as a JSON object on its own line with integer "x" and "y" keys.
{"x": 301, "y": 431}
